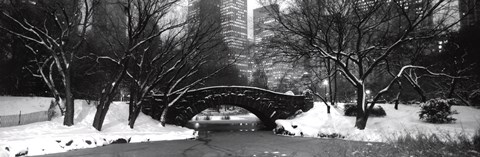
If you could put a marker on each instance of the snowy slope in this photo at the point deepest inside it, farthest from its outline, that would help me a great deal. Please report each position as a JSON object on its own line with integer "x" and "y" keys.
{"x": 51, "y": 136}
{"x": 317, "y": 122}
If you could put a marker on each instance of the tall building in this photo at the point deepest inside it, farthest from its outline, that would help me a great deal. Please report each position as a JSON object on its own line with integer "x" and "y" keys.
{"x": 280, "y": 73}
{"x": 232, "y": 17}
{"x": 262, "y": 20}
{"x": 413, "y": 8}
{"x": 471, "y": 10}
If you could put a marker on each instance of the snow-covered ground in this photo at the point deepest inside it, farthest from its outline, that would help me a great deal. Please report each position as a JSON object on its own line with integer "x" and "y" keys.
{"x": 52, "y": 137}
{"x": 401, "y": 122}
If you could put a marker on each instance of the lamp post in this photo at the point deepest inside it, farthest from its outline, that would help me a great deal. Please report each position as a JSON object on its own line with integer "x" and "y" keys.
{"x": 368, "y": 93}
{"x": 325, "y": 83}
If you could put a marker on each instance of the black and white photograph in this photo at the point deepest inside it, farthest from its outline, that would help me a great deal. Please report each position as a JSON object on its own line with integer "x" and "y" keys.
{"x": 240, "y": 78}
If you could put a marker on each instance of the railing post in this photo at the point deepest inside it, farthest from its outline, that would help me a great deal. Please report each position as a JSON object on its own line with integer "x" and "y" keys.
{"x": 19, "y": 117}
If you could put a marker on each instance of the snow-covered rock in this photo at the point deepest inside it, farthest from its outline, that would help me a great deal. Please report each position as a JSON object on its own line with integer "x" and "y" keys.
{"x": 289, "y": 93}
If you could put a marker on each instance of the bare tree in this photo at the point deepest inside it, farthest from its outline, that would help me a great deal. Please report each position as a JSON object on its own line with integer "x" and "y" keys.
{"x": 358, "y": 36}
{"x": 62, "y": 42}
{"x": 160, "y": 51}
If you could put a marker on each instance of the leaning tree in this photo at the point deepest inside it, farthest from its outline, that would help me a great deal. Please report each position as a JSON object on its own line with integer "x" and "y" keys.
{"x": 160, "y": 51}
{"x": 358, "y": 36}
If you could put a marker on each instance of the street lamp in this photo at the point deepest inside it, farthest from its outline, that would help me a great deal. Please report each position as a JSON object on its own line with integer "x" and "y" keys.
{"x": 368, "y": 93}
{"x": 325, "y": 83}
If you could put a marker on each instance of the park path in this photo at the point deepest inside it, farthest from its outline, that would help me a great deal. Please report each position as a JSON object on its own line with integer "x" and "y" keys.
{"x": 241, "y": 144}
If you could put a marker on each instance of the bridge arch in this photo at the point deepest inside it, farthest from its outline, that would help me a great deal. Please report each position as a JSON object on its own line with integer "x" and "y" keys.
{"x": 267, "y": 105}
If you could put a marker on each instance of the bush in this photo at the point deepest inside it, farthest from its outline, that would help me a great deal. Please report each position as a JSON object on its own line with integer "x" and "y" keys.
{"x": 476, "y": 140}
{"x": 351, "y": 110}
{"x": 474, "y": 98}
{"x": 437, "y": 111}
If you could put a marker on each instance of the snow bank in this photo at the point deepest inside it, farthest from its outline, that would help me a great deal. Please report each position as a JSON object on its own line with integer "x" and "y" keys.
{"x": 52, "y": 137}
{"x": 317, "y": 123}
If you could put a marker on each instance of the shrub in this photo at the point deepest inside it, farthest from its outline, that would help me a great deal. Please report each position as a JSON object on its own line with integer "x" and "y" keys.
{"x": 476, "y": 140}
{"x": 437, "y": 111}
{"x": 474, "y": 98}
{"x": 351, "y": 110}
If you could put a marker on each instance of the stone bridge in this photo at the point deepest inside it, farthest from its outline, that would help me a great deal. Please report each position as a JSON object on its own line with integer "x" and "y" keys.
{"x": 267, "y": 105}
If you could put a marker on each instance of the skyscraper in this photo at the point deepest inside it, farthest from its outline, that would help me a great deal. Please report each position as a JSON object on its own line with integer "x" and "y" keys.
{"x": 412, "y": 8}
{"x": 232, "y": 17}
{"x": 279, "y": 71}
{"x": 471, "y": 10}
{"x": 261, "y": 21}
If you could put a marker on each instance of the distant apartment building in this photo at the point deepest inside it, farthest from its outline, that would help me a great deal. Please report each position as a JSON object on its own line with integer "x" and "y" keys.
{"x": 413, "y": 8}
{"x": 279, "y": 71}
{"x": 471, "y": 10}
{"x": 232, "y": 17}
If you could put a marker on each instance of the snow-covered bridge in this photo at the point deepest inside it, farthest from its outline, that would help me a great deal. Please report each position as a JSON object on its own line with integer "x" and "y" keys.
{"x": 267, "y": 105}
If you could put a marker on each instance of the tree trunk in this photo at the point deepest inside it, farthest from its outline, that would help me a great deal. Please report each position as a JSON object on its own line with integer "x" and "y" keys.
{"x": 164, "y": 116}
{"x": 334, "y": 101}
{"x": 330, "y": 91}
{"x": 69, "y": 106}
{"x": 416, "y": 87}
{"x": 361, "y": 121}
{"x": 397, "y": 98}
{"x": 60, "y": 103}
{"x": 361, "y": 118}
{"x": 107, "y": 97}
{"x": 396, "y": 104}
{"x": 102, "y": 109}
{"x": 136, "y": 111}
{"x": 421, "y": 93}
{"x": 131, "y": 104}
{"x": 452, "y": 88}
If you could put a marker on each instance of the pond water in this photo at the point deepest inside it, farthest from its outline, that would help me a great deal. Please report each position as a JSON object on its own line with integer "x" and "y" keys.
{"x": 235, "y": 123}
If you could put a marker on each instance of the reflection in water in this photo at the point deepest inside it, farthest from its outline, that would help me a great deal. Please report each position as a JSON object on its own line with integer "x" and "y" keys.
{"x": 226, "y": 125}
{"x": 205, "y": 128}
{"x": 269, "y": 154}
{"x": 215, "y": 124}
{"x": 247, "y": 122}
